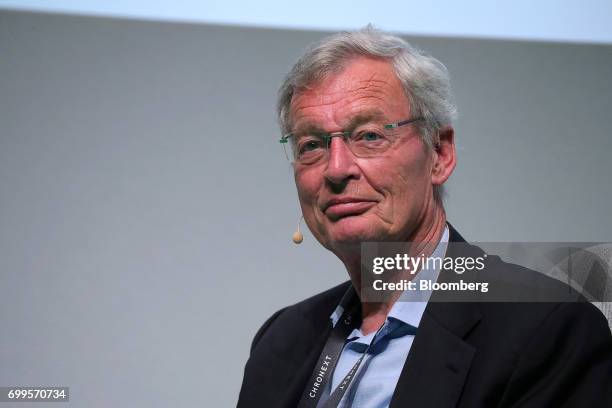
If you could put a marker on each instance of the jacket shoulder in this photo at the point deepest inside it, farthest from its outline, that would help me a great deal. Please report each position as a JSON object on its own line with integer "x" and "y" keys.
{"x": 314, "y": 311}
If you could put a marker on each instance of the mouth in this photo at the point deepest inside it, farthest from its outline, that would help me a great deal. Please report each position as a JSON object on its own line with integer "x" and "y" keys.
{"x": 345, "y": 207}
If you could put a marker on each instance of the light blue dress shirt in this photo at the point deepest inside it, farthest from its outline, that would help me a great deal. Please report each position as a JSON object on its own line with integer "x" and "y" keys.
{"x": 376, "y": 379}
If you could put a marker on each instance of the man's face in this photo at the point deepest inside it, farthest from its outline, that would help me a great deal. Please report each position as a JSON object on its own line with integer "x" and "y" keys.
{"x": 346, "y": 199}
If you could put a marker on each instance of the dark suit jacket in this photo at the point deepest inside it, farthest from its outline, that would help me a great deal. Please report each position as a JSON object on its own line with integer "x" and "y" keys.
{"x": 467, "y": 354}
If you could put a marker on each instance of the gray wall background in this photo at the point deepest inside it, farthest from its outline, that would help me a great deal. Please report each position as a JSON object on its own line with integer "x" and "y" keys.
{"x": 146, "y": 210}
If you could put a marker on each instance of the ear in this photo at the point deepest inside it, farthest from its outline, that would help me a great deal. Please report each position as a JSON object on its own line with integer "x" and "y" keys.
{"x": 444, "y": 156}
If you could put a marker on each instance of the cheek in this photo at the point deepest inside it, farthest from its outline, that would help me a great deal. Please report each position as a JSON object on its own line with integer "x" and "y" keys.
{"x": 416, "y": 170}
{"x": 308, "y": 185}
{"x": 401, "y": 180}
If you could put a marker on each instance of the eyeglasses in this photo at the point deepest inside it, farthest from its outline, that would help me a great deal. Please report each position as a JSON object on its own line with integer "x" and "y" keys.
{"x": 366, "y": 140}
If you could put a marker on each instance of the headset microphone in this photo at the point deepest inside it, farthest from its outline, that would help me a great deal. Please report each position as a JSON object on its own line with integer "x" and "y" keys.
{"x": 297, "y": 235}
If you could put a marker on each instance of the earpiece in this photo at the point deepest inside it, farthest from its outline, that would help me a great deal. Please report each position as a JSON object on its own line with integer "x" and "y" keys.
{"x": 297, "y": 235}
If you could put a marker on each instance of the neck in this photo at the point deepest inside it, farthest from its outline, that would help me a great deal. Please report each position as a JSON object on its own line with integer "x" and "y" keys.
{"x": 427, "y": 236}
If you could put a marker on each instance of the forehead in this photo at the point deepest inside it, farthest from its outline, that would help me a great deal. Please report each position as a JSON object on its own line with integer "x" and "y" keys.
{"x": 363, "y": 86}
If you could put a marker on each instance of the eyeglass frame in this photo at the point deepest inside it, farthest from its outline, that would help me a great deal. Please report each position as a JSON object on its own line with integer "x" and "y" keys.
{"x": 328, "y": 136}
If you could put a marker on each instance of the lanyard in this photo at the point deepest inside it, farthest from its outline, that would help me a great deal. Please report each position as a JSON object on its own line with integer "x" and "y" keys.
{"x": 329, "y": 358}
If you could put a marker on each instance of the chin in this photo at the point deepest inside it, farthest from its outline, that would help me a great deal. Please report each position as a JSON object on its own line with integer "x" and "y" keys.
{"x": 351, "y": 230}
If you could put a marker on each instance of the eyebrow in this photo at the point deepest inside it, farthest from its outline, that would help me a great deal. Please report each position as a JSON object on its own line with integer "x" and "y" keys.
{"x": 359, "y": 119}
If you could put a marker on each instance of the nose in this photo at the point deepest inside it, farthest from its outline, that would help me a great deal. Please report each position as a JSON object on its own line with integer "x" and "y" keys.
{"x": 341, "y": 164}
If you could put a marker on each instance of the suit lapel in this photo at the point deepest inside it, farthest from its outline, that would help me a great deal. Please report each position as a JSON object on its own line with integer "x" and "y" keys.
{"x": 439, "y": 354}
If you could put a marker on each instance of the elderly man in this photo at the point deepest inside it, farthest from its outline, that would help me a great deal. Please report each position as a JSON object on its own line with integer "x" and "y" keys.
{"x": 367, "y": 121}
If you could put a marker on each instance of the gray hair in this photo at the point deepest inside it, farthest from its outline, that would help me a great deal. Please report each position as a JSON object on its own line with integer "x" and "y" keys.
{"x": 425, "y": 79}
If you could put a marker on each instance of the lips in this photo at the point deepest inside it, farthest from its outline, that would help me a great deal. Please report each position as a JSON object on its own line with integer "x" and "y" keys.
{"x": 337, "y": 208}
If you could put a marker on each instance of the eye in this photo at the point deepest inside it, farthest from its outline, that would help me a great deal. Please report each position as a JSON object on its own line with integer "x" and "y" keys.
{"x": 370, "y": 141}
{"x": 309, "y": 145}
{"x": 370, "y": 136}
